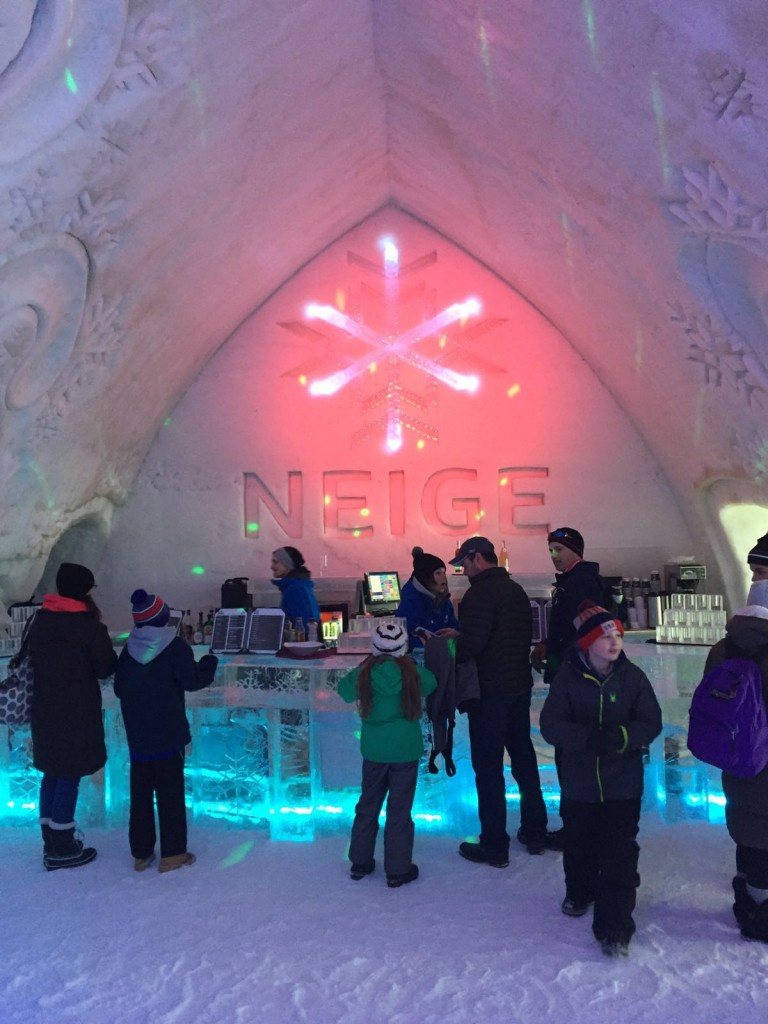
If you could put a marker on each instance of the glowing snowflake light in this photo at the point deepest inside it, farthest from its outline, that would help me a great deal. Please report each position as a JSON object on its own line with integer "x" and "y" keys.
{"x": 393, "y": 346}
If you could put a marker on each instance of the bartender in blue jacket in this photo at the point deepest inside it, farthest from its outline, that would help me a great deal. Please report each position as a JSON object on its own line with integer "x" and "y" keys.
{"x": 425, "y": 602}
{"x": 294, "y": 581}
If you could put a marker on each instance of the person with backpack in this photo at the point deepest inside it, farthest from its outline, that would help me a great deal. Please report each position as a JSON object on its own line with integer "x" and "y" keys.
{"x": 600, "y": 714}
{"x": 389, "y": 688}
{"x": 746, "y": 806}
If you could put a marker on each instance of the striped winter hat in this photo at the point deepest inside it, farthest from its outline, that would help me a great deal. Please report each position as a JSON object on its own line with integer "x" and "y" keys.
{"x": 592, "y": 622}
{"x": 389, "y": 638}
{"x": 149, "y": 609}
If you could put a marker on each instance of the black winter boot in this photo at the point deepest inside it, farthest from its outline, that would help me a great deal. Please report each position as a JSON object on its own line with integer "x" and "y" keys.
{"x": 744, "y": 907}
{"x": 46, "y": 831}
{"x": 67, "y": 851}
{"x": 759, "y": 927}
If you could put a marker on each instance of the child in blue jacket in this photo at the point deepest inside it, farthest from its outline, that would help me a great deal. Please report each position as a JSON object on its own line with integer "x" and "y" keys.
{"x": 154, "y": 670}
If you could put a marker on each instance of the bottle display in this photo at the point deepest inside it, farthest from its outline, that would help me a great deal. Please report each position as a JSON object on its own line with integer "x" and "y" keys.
{"x": 208, "y": 627}
{"x": 458, "y": 569}
{"x": 503, "y": 556}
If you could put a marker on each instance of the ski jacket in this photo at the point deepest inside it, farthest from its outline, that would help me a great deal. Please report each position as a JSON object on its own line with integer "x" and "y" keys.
{"x": 496, "y": 628}
{"x": 71, "y": 651}
{"x": 297, "y": 596}
{"x": 422, "y": 609}
{"x": 387, "y": 736}
{"x": 581, "y": 582}
{"x": 155, "y": 669}
{"x": 579, "y": 708}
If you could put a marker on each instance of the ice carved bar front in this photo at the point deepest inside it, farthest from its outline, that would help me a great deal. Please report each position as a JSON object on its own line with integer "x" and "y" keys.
{"x": 275, "y": 747}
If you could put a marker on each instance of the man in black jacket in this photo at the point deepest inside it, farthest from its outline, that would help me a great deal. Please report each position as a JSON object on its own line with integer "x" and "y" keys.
{"x": 495, "y": 624}
{"x": 575, "y": 581}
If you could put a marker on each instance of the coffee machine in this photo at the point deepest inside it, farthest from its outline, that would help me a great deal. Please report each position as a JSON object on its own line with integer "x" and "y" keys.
{"x": 684, "y": 577}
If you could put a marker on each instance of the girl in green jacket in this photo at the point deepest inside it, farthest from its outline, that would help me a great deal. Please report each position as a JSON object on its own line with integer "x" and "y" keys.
{"x": 389, "y": 688}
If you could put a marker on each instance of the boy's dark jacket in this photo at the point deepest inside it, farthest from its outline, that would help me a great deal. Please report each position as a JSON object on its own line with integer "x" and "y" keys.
{"x": 154, "y": 670}
{"x": 578, "y": 714}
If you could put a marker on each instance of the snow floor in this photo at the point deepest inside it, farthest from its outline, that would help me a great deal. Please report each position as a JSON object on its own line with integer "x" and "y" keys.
{"x": 277, "y": 933}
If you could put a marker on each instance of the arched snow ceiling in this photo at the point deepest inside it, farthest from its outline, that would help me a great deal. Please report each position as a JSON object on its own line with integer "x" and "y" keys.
{"x": 172, "y": 163}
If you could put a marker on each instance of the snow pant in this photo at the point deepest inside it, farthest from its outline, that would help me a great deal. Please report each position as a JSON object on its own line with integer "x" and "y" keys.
{"x": 496, "y": 724}
{"x": 600, "y": 862}
{"x": 398, "y": 779}
{"x": 58, "y": 800}
{"x": 162, "y": 780}
{"x": 753, "y": 865}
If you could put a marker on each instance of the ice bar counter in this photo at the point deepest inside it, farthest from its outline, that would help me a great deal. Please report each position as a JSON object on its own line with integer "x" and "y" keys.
{"x": 275, "y": 747}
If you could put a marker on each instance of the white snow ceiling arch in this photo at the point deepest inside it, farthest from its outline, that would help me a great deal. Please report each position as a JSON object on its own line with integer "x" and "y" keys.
{"x": 605, "y": 161}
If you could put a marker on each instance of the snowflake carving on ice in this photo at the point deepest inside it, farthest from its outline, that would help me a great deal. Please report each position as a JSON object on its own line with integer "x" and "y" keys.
{"x": 390, "y": 350}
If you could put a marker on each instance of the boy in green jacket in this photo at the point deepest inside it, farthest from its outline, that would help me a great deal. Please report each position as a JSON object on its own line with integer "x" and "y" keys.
{"x": 389, "y": 688}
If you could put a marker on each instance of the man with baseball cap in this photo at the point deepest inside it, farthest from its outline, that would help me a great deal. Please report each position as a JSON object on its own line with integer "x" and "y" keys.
{"x": 495, "y": 629}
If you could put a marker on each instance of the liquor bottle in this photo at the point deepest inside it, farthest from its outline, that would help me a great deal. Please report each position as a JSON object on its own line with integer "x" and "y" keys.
{"x": 458, "y": 569}
{"x": 187, "y": 629}
{"x": 208, "y": 627}
{"x": 198, "y": 637}
{"x": 655, "y": 582}
{"x": 503, "y": 556}
{"x": 312, "y": 631}
{"x": 301, "y": 634}
{"x": 335, "y": 626}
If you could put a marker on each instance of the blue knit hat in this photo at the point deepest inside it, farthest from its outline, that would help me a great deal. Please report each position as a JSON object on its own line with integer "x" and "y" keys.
{"x": 149, "y": 609}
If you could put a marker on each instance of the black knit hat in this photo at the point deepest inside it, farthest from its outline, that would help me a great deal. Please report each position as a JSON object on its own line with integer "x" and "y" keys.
{"x": 759, "y": 553}
{"x": 569, "y": 538}
{"x": 74, "y": 581}
{"x": 425, "y": 566}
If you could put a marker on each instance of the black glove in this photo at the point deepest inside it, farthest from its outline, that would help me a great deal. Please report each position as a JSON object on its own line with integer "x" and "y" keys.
{"x": 209, "y": 661}
{"x": 612, "y": 740}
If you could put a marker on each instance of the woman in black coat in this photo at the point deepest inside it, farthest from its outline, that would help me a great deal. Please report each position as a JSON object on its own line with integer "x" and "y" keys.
{"x": 71, "y": 651}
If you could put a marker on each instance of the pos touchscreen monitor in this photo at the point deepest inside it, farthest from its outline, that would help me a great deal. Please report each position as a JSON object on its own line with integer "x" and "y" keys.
{"x": 382, "y": 588}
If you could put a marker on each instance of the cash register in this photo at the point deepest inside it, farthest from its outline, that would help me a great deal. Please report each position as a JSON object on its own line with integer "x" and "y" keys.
{"x": 378, "y": 593}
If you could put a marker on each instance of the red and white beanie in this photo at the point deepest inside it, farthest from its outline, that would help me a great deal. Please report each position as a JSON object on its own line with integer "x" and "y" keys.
{"x": 592, "y": 622}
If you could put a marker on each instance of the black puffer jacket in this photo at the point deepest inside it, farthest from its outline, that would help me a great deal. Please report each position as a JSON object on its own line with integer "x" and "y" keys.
{"x": 578, "y": 707}
{"x": 154, "y": 671}
{"x": 581, "y": 583}
{"x": 70, "y": 651}
{"x": 746, "y": 807}
{"x": 496, "y": 626}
